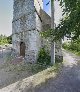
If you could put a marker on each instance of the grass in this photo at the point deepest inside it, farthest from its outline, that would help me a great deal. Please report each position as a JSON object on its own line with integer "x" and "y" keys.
{"x": 35, "y": 74}
{"x": 27, "y": 67}
{"x": 74, "y": 51}
{"x": 77, "y": 53}
{"x": 37, "y": 79}
{"x": 72, "y": 47}
{"x": 33, "y": 68}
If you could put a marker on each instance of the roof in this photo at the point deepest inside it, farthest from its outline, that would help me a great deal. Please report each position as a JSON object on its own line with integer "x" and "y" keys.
{"x": 46, "y": 20}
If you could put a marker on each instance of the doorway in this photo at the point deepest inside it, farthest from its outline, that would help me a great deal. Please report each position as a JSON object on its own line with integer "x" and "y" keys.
{"x": 22, "y": 49}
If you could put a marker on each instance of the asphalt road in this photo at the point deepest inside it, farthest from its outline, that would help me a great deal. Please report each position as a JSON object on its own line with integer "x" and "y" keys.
{"x": 68, "y": 80}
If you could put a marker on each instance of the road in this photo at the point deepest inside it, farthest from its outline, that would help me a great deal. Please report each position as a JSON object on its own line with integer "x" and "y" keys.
{"x": 68, "y": 80}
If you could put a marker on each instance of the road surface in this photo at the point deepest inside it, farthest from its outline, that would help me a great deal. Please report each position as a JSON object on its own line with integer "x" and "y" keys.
{"x": 68, "y": 80}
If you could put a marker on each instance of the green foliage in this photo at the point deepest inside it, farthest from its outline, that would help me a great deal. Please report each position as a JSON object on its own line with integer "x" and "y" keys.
{"x": 73, "y": 46}
{"x": 53, "y": 34}
{"x": 65, "y": 46}
{"x": 71, "y": 23}
{"x": 5, "y": 40}
{"x": 9, "y": 38}
{"x": 43, "y": 57}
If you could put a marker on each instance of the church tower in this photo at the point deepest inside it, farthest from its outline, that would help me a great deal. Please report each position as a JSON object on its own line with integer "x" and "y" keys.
{"x": 26, "y": 26}
{"x": 29, "y": 19}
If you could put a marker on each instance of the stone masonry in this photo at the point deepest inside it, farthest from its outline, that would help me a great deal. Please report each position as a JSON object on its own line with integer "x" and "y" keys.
{"x": 29, "y": 20}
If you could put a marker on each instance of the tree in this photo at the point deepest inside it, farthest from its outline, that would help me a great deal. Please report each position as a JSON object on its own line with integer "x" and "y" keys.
{"x": 71, "y": 23}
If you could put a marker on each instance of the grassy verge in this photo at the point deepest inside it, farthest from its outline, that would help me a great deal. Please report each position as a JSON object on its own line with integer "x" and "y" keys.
{"x": 72, "y": 47}
{"x": 33, "y": 68}
{"x": 30, "y": 68}
{"x": 73, "y": 51}
{"x": 77, "y": 53}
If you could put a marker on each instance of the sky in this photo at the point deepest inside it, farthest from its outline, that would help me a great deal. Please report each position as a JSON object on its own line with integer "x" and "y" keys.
{"x": 47, "y": 8}
{"x": 6, "y": 15}
{"x": 57, "y": 10}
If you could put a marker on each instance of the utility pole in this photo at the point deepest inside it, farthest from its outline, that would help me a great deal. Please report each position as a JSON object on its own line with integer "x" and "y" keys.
{"x": 52, "y": 27}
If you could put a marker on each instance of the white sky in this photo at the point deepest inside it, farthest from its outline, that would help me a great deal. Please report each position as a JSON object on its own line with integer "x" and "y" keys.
{"x": 6, "y": 14}
{"x": 57, "y": 13}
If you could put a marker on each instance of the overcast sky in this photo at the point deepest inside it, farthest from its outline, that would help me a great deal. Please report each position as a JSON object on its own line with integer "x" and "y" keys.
{"x": 6, "y": 15}
{"x": 6, "y": 9}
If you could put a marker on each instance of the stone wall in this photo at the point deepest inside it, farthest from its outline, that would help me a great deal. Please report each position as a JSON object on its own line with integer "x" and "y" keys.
{"x": 26, "y": 26}
{"x": 22, "y": 7}
{"x": 38, "y": 5}
{"x": 28, "y": 21}
{"x": 33, "y": 46}
{"x": 46, "y": 24}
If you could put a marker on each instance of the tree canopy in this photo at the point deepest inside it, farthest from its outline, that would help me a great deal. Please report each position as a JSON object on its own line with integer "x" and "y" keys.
{"x": 70, "y": 23}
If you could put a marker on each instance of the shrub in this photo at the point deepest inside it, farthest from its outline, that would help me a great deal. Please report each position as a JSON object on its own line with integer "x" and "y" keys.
{"x": 73, "y": 45}
{"x": 43, "y": 57}
{"x": 65, "y": 46}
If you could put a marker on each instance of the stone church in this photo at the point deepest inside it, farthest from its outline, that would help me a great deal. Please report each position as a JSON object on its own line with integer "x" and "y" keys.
{"x": 29, "y": 19}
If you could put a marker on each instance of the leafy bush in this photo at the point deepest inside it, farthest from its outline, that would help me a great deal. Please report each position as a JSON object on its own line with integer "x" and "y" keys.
{"x": 9, "y": 39}
{"x": 74, "y": 45}
{"x": 64, "y": 45}
{"x": 44, "y": 57}
{"x": 5, "y": 40}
